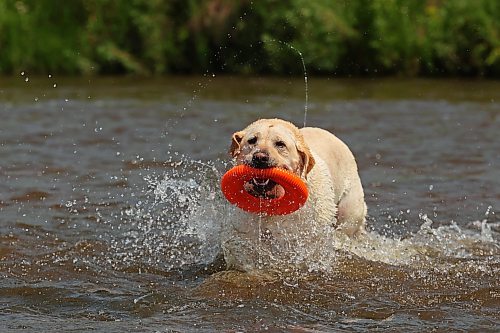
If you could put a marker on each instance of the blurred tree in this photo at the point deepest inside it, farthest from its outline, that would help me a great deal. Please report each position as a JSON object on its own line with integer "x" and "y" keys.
{"x": 341, "y": 37}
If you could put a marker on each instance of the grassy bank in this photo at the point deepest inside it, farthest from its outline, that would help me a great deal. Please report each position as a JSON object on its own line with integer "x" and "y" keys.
{"x": 356, "y": 37}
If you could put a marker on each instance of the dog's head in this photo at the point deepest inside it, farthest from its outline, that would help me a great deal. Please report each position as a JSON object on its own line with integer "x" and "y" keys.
{"x": 269, "y": 143}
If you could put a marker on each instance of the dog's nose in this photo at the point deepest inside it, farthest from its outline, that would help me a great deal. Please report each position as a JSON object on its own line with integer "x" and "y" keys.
{"x": 260, "y": 160}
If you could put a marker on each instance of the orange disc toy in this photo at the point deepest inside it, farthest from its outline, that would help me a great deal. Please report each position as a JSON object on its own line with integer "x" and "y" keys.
{"x": 233, "y": 186}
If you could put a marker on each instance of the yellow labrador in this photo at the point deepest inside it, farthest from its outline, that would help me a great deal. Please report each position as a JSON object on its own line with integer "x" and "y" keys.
{"x": 323, "y": 161}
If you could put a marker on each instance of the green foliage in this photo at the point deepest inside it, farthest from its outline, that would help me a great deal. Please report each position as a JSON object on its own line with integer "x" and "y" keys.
{"x": 465, "y": 37}
{"x": 320, "y": 30}
{"x": 343, "y": 37}
{"x": 397, "y": 33}
{"x": 32, "y": 37}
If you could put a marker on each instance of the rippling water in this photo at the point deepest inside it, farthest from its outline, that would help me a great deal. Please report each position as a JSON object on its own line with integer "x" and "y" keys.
{"x": 110, "y": 211}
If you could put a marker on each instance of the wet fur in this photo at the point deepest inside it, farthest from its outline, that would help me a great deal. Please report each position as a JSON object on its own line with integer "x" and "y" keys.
{"x": 323, "y": 161}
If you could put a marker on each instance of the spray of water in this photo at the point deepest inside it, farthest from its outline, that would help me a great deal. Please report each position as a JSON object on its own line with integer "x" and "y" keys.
{"x": 175, "y": 221}
{"x": 291, "y": 47}
{"x": 202, "y": 85}
{"x": 179, "y": 220}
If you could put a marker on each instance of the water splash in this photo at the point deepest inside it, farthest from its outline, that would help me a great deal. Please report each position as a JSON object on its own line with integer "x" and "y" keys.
{"x": 181, "y": 219}
{"x": 175, "y": 223}
{"x": 306, "y": 87}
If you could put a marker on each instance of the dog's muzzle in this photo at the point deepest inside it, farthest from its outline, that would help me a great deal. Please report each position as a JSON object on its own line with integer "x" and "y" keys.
{"x": 260, "y": 160}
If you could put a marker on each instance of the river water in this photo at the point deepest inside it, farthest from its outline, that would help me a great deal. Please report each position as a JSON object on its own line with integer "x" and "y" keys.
{"x": 110, "y": 210}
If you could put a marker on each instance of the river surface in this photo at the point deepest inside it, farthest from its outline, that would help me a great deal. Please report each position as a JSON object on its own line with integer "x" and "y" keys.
{"x": 110, "y": 209}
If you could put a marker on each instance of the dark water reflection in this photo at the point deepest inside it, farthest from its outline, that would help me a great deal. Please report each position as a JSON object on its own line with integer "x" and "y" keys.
{"x": 85, "y": 247}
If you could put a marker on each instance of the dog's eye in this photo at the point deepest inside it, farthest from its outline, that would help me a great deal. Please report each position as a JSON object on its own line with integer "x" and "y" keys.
{"x": 253, "y": 140}
{"x": 280, "y": 144}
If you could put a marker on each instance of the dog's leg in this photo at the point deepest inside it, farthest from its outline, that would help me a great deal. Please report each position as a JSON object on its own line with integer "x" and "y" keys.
{"x": 352, "y": 212}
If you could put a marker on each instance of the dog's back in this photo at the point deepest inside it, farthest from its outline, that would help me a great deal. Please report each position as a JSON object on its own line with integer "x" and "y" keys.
{"x": 349, "y": 195}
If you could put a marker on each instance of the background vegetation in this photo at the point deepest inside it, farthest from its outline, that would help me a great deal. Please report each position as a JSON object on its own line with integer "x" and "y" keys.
{"x": 350, "y": 37}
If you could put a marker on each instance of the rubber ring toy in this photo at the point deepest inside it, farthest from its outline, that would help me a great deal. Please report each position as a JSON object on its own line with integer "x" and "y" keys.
{"x": 295, "y": 196}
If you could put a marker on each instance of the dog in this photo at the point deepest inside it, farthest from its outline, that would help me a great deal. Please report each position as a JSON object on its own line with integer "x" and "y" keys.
{"x": 336, "y": 197}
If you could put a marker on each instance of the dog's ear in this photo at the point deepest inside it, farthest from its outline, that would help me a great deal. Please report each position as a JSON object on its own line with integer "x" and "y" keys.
{"x": 236, "y": 143}
{"x": 306, "y": 159}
